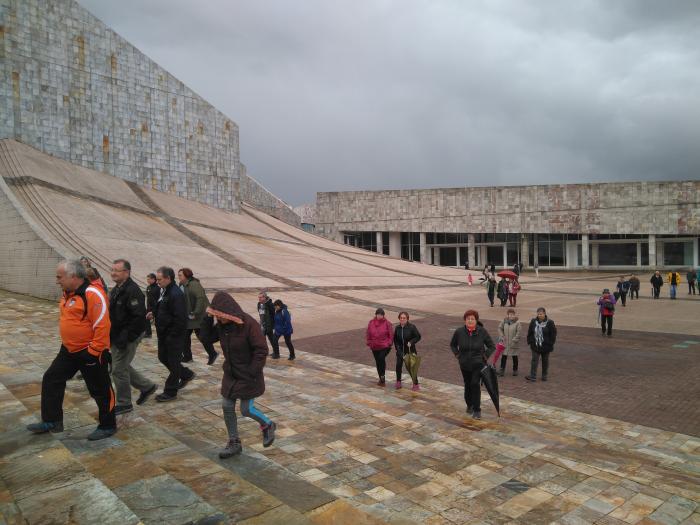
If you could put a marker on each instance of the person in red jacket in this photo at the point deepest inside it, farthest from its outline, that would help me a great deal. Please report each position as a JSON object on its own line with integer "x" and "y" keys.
{"x": 84, "y": 327}
{"x": 380, "y": 337}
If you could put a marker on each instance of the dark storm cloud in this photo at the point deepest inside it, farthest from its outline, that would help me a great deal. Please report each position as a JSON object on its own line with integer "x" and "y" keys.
{"x": 333, "y": 95}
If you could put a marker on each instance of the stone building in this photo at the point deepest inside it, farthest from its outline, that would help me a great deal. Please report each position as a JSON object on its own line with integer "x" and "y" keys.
{"x": 615, "y": 225}
{"x": 75, "y": 89}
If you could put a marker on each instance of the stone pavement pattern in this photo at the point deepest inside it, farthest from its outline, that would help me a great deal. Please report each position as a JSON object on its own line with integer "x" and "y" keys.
{"x": 346, "y": 452}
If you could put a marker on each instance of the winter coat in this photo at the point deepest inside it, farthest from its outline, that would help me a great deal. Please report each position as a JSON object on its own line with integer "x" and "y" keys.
{"x": 471, "y": 347}
{"x": 606, "y": 299}
{"x": 634, "y": 283}
{"x": 509, "y": 331}
{"x": 502, "y": 289}
{"x": 197, "y": 303}
{"x": 244, "y": 348}
{"x": 691, "y": 276}
{"x": 671, "y": 274}
{"x": 513, "y": 287}
{"x": 266, "y": 312}
{"x": 656, "y": 281}
{"x": 127, "y": 312}
{"x": 380, "y": 334}
{"x": 283, "y": 322}
{"x": 623, "y": 287}
{"x": 170, "y": 313}
{"x": 406, "y": 334}
{"x": 549, "y": 333}
{"x": 152, "y": 294}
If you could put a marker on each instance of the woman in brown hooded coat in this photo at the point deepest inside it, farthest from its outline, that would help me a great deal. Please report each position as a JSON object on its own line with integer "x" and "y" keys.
{"x": 245, "y": 351}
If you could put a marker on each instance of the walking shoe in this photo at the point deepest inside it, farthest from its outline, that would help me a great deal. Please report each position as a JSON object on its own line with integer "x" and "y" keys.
{"x": 381, "y": 382}
{"x": 145, "y": 394}
{"x": 123, "y": 409}
{"x": 45, "y": 426}
{"x": 291, "y": 357}
{"x": 609, "y": 334}
{"x": 530, "y": 378}
{"x": 183, "y": 382}
{"x": 269, "y": 434}
{"x": 415, "y": 387}
{"x": 397, "y": 385}
{"x": 101, "y": 433}
{"x": 544, "y": 378}
{"x": 275, "y": 356}
{"x": 502, "y": 372}
{"x": 187, "y": 359}
{"x": 162, "y": 398}
{"x": 212, "y": 358}
{"x": 515, "y": 372}
{"x": 469, "y": 410}
{"x": 476, "y": 414}
{"x": 232, "y": 448}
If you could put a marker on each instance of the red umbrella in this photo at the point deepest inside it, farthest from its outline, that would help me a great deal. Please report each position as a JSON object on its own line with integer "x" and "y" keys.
{"x": 508, "y": 274}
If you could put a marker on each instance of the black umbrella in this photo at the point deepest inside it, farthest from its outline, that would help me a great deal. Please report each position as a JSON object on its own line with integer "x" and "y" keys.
{"x": 490, "y": 381}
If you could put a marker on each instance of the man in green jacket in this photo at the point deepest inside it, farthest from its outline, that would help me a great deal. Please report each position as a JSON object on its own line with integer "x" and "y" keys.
{"x": 197, "y": 320}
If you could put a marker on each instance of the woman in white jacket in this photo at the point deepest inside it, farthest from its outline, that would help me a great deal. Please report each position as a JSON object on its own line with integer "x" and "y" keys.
{"x": 509, "y": 333}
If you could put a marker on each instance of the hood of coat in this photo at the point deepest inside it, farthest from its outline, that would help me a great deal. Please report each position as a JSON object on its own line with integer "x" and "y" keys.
{"x": 223, "y": 305}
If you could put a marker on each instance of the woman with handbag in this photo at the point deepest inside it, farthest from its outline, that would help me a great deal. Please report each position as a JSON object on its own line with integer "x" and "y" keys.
{"x": 472, "y": 345}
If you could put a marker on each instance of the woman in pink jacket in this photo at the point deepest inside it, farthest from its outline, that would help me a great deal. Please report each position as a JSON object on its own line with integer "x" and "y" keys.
{"x": 380, "y": 337}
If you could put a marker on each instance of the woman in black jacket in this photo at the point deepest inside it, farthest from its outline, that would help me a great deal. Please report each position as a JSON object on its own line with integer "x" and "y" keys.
{"x": 541, "y": 336}
{"x": 406, "y": 335}
{"x": 472, "y": 345}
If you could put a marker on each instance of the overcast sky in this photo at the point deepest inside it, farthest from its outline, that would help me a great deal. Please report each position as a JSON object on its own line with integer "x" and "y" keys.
{"x": 379, "y": 94}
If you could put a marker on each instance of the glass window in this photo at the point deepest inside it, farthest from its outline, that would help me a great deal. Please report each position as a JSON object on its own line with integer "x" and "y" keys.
{"x": 678, "y": 253}
{"x": 494, "y": 254}
{"x": 645, "y": 254}
{"x": 448, "y": 256}
{"x": 463, "y": 256}
{"x": 385, "y": 243}
{"x": 542, "y": 251}
{"x": 513, "y": 250}
{"x": 556, "y": 253}
{"x": 617, "y": 254}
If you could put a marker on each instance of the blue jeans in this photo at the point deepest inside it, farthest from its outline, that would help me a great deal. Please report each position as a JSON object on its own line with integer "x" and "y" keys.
{"x": 673, "y": 291}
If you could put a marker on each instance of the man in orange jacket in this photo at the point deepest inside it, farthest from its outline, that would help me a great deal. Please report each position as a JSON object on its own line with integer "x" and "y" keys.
{"x": 84, "y": 327}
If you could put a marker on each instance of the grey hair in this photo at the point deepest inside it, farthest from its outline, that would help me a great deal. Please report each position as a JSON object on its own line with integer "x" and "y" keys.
{"x": 74, "y": 268}
{"x": 263, "y": 293}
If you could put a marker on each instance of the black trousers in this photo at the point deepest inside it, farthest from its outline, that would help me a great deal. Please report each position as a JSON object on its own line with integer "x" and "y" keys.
{"x": 491, "y": 297}
{"x": 472, "y": 387}
{"x": 657, "y": 291}
{"x": 606, "y": 319}
{"x": 149, "y": 331}
{"x": 623, "y": 298}
{"x": 274, "y": 343}
{"x": 504, "y": 361}
{"x": 208, "y": 345}
{"x": 691, "y": 288}
{"x": 170, "y": 349}
{"x": 380, "y": 360}
{"x": 399, "y": 363}
{"x": 95, "y": 372}
{"x": 287, "y": 341}
{"x": 633, "y": 292}
{"x": 536, "y": 361}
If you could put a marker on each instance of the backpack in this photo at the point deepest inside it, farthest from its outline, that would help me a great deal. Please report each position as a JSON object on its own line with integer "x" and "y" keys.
{"x": 609, "y": 305}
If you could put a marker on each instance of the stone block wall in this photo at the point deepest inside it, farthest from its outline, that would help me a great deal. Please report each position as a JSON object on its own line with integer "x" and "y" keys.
{"x": 613, "y": 208}
{"x": 255, "y": 194}
{"x": 75, "y": 89}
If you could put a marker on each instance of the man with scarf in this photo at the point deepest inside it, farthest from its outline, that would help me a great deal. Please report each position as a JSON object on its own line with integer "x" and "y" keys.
{"x": 472, "y": 345}
{"x": 541, "y": 336}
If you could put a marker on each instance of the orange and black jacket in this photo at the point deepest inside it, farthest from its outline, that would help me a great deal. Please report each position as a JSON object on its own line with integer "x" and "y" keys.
{"x": 84, "y": 322}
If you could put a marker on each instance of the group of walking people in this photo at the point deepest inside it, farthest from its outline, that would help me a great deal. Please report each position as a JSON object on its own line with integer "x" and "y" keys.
{"x": 101, "y": 332}
{"x": 471, "y": 345}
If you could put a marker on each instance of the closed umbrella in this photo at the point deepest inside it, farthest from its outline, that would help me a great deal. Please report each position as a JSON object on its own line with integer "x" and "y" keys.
{"x": 412, "y": 362}
{"x": 490, "y": 381}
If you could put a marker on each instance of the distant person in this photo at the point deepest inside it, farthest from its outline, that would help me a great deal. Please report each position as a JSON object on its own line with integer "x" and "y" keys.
{"x": 84, "y": 329}
{"x": 513, "y": 289}
{"x": 516, "y": 269}
{"x": 493, "y": 269}
{"x": 379, "y": 338}
{"x": 472, "y": 345}
{"x": 673, "y": 279}
{"x": 86, "y": 263}
{"x": 466, "y": 265}
{"x": 692, "y": 278}
{"x": 152, "y": 294}
{"x": 170, "y": 314}
{"x": 537, "y": 269}
{"x": 283, "y": 327}
{"x": 622, "y": 287}
{"x": 541, "y": 336}
{"x": 245, "y": 351}
{"x": 491, "y": 289}
{"x": 606, "y": 310}
{"x": 266, "y": 313}
{"x": 634, "y": 287}
{"x": 656, "y": 283}
{"x": 502, "y": 291}
{"x": 95, "y": 279}
{"x": 127, "y": 312}
{"x": 509, "y": 333}
{"x": 196, "y": 302}
{"x": 406, "y": 335}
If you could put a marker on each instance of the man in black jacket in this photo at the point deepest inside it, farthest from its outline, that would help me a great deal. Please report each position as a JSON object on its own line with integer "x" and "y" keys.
{"x": 170, "y": 314}
{"x": 656, "y": 283}
{"x": 152, "y": 294}
{"x": 266, "y": 312}
{"x": 128, "y": 316}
